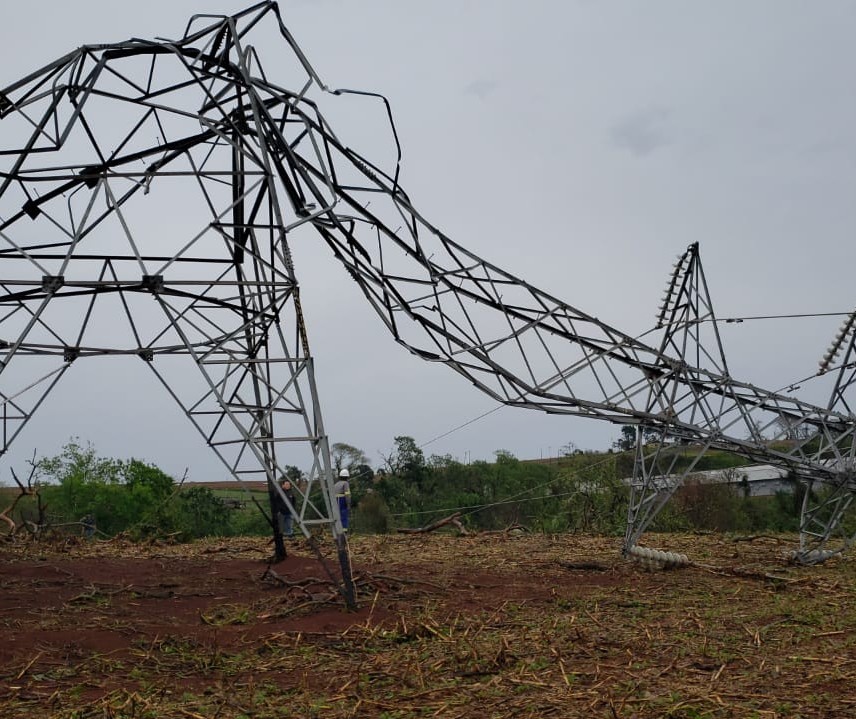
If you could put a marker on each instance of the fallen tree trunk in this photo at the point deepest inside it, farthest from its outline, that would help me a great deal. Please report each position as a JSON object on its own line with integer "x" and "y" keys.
{"x": 508, "y": 530}
{"x": 451, "y": 519}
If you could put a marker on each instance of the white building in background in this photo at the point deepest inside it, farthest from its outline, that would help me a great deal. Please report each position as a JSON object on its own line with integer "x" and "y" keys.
{"x": 763, "y": 480}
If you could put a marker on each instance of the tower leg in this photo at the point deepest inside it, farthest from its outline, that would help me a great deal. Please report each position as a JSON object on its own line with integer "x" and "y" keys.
{"x": 821, "y": 523}
{"x": 348, "y": 588}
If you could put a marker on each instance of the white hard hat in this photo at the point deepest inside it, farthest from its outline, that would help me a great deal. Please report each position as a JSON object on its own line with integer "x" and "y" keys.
{"x": 344, "y": 473}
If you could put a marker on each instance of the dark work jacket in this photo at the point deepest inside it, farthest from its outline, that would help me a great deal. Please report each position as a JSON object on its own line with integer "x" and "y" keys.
{"x": 292, "y": 497}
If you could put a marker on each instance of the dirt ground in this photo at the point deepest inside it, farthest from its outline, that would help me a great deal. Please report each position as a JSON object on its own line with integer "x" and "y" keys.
{"x": 490, "y": 625}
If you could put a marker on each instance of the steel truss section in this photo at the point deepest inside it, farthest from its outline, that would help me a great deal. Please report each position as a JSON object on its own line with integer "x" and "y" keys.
{"x": 689, "y": 330}
{"x": 263, "y": 161}
{"x": 107, "y": 138}
{"x": 658, "y": 472}
{"x": 526, "y": 348}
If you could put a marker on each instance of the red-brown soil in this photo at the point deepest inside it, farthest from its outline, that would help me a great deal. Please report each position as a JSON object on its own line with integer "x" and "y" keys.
{"x": 113, "y": 629}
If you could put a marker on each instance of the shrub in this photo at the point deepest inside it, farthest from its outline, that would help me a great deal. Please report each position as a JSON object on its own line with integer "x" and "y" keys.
{"x": 202, "y": 514}
{"x": 249, "y": 522}
{"x": 709, "y": 506}
{"x": 372, "y": 515}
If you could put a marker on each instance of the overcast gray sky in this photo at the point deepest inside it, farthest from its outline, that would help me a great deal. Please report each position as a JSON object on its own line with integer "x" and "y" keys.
{"x": 580, "y": 145}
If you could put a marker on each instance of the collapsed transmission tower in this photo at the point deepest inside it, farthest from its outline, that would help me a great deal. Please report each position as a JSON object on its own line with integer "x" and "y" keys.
{"x": 148, "y": 184}
{"x": 100, "y": 143}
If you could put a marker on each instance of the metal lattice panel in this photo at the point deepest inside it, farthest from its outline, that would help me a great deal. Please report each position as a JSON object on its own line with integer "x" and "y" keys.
{"x": 97, "y": 262}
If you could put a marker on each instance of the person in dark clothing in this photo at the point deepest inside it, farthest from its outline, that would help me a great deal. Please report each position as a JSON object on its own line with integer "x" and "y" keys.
{"x": 286, "y": 518}
{"x": 88, "y": 523}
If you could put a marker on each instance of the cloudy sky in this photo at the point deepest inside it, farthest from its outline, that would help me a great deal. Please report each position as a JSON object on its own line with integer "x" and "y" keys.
{"x": 581, "y": 145}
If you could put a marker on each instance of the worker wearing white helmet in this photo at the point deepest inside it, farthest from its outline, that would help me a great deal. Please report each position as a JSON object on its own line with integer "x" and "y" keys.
{"x": 342, "y": 490}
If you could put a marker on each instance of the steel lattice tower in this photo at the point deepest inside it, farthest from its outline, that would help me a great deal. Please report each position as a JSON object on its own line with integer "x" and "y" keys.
{"x": 106, "y": 136}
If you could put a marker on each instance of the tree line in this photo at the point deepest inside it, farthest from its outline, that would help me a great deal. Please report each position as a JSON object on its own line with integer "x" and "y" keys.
{"x": 580, "y": 491}
{"x": 79, "y": 491}
{"x": 577, "y": 492}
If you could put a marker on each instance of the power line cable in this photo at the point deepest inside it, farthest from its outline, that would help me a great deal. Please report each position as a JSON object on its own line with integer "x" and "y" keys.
{"x": 513, "y": 498}
{"x": 737, "y": 320}
{"x": 478, "y": 507}
{"x": 461, "y": 426}
{"x": 498, "y": 407}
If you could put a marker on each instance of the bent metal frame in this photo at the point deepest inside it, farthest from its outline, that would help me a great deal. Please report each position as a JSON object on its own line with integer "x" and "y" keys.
{"x": 158, "y": 184}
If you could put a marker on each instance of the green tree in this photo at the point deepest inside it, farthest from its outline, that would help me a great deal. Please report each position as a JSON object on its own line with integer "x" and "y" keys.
{"x": 293, "y": 474}
{"x": 510, "y": 491}
{"x": 711, "y": 505}
{"x": 150, "y": 490}
{"x": 627, "y": 440}
{"x": 85, "y": 484}
{"x": 346, "y": 456}
{"x": 120, "y": 495}
{"x": 594, "y": 498}
{"x": 406, "y": 460}
{"x": 139, "y": 475}
{"x": 203, "y": 514}
{"x": 79, "y": 462}
{"x": 402, "y": 486}
{"x": 372, "y": 515}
